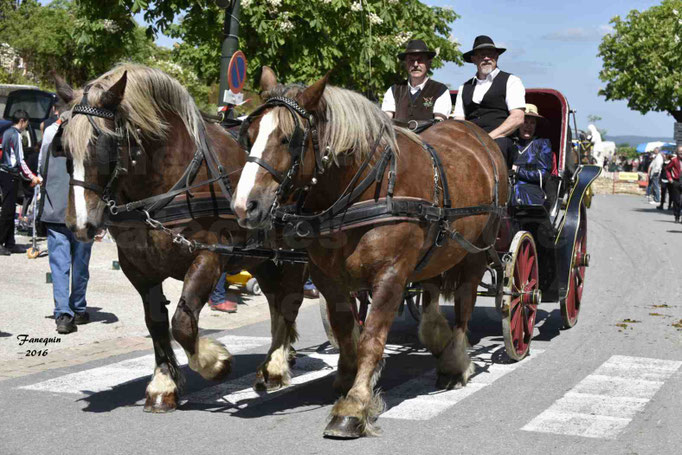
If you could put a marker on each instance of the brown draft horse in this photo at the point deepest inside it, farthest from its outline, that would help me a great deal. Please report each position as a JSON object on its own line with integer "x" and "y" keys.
{"x": 381, "y": 257}
{"x": 154, "y": 111}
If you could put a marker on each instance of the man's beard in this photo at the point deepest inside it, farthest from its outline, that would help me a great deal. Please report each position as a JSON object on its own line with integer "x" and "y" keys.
{"x": 485, "y": 70}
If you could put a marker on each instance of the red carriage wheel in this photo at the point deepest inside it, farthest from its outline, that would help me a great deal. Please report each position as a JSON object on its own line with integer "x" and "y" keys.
{"x": 521, "y": 296}
{"x": 570, "y": 306}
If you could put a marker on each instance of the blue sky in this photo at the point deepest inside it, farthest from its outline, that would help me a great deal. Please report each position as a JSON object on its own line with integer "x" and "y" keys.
{"x": 553, "y": 44}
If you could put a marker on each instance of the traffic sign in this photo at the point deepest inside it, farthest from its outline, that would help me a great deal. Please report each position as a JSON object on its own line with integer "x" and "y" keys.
{"x": 236, "y": 72}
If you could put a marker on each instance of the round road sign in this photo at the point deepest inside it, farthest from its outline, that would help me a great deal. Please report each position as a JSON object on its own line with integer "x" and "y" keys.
{"x": 236, "y": 72}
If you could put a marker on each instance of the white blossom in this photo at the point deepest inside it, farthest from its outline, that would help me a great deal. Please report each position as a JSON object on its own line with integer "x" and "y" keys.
{"x": 286, "y": 26}
{"x": 275, "y": 3}
{"x": 110, "y": 26}
{"x": 356, "y": 6}
{"x": 393, "y": 2}
{"x": 402, "y": 38}
{"x": 246, "y": 3}
{"x": 326, "y": 2}
{"x": 375, "y": 20}
{"x": 675, "y": 12}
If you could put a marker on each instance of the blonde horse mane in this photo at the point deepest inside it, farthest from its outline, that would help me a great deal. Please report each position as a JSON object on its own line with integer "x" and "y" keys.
{"x": 149, "y": 95}
{"x": 352, "y": 123}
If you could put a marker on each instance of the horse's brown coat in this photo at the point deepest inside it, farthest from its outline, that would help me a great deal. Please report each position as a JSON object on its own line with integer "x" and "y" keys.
{"x": 383, "y": 257}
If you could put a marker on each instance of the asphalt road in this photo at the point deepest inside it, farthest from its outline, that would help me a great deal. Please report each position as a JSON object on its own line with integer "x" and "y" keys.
{"x": 612, "y": 384}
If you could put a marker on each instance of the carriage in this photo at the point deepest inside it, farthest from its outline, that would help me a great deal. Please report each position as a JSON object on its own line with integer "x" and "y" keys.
{"x": 541, "y": 252}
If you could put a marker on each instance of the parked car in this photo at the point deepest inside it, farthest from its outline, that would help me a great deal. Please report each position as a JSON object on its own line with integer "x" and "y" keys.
{"x": 38, "y": 104}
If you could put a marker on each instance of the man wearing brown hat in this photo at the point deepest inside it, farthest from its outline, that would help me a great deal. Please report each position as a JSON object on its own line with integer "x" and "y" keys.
{"x": 418, "y": 97}
{"x": 493, "y": 99}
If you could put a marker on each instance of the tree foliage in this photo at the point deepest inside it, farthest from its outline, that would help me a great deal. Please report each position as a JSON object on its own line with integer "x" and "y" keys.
{"x": 67, "y": 37}
{"x": 303, "y": 39}
{"x": 642, "y": 62}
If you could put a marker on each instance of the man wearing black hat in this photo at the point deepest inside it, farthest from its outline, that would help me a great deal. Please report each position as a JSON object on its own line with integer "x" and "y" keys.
{"x": 418, "y": 97}
{"x": 493, "y": 99}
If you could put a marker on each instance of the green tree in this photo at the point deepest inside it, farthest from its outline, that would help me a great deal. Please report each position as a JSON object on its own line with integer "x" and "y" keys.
{"x": 302, "y": 39}
{"x": 642, "y": 62}
{"x": 66, "y": 37}
{"x": 626, "y": 151}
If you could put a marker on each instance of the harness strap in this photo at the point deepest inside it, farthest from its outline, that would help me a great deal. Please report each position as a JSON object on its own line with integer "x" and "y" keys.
{"x": 279, "y": 178}
{"x": 91, "y": 186}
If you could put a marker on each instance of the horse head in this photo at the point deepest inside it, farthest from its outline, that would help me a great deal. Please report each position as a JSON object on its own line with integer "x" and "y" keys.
{"x": 89, "y": 136}
{"x": 277, "y": 135}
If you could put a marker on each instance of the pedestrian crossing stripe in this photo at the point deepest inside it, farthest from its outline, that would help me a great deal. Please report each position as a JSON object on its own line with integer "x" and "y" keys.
{"x": 605, "y": 402}
{"x": 414, "y": 400}
{"x": 101, "y": 379}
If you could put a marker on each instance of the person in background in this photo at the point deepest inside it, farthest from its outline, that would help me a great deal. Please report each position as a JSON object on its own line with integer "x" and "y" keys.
{"x": 492, "y": 99}
{"x": 418, "y": 97}
{"x": 218, "y": 300}
{"x": 69, "y": 258}
{"x": 654, "y": 171}
{"x": 49, "y": 121}
{"x": 673, "y": 171}
{"x": 665, "y": 183}
{"x": 12, "y": 168}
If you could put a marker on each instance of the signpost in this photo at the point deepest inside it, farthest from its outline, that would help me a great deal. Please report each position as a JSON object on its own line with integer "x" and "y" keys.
{"x": 230, "y": 46}
{"x": 678, "y": 133}
{"x": 236, "y": 77}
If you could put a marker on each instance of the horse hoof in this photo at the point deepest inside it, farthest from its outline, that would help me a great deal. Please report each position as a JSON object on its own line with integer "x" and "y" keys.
{"x": 271, "y": 385}
{"x": 343, "y": 428}
{"x": 161, "y": 404}
{"x": 447, "y": 381}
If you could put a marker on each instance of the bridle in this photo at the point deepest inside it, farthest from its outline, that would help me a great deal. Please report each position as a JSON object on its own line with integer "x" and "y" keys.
{"x": 108, "y": 162}
{"x": 297, "y": 146}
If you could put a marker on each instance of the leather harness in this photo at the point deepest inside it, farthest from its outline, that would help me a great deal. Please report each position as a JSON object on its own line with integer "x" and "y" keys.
{"x": 345, "y": 212}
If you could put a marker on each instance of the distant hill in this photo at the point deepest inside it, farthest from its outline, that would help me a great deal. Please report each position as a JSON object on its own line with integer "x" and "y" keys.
{"x": 635, "y": 140}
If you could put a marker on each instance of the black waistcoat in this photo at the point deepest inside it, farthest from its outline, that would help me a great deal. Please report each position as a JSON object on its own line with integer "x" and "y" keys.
{"x": 421, "y": 108}
{"x": 492, "y": 111}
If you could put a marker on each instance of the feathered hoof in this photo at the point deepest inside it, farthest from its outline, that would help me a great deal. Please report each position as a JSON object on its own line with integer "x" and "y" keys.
{"x": 449, "y": 381}
{"x": 343, "y": 428}
{"x": 161, "y": 403}
{"x": 272, "y": 383}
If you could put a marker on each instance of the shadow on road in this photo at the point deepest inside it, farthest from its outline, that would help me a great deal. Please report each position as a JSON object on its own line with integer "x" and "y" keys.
{"x": 96, "y": 315}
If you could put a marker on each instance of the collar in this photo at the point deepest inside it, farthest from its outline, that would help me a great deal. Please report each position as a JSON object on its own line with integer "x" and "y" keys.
{"x": 418, "y": 87}
{"x": 489, "y": 77}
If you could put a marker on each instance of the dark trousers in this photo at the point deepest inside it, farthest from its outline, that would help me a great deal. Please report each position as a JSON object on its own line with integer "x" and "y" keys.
{"x": 508, "y": 149}
{"x": 674, "y": 189}
{"x": 9, "y": 186}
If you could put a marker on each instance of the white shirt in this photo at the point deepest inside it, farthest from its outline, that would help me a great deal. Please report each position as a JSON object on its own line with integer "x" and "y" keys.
{"x": 48, "y": 136}
{"x": 516, "y": 93}
{"x": 656, "y": 165}
{"x": 442, "y": 105}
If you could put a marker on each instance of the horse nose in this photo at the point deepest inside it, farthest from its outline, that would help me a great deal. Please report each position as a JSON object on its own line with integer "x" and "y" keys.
{"x": 251, "y": 208}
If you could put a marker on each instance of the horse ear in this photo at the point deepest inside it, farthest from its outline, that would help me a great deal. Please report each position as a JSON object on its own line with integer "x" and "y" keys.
{"x": 113, "y": 97}
{"x": 310, "y": 98}
{"x": 268, "y": 79}
{"x": 64, "y": 90}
